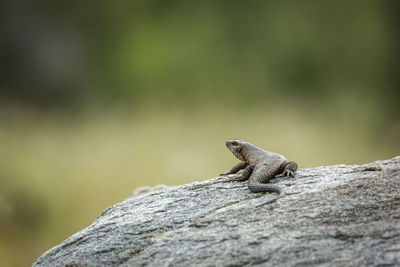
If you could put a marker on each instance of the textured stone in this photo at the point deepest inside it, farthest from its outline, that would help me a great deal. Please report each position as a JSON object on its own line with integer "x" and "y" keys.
{"x": 335, "y": 215}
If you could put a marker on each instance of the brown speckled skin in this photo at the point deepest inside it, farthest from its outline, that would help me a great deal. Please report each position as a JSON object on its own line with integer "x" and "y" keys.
{"x": 260, "y": 166}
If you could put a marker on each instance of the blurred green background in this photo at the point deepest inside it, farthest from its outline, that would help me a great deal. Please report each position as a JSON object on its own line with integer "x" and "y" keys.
{"x": 100, "y": 97}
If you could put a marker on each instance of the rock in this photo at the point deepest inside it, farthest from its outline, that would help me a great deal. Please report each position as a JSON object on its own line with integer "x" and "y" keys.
{"x": 147, "y": 189}
{"x": 335, "y": 215}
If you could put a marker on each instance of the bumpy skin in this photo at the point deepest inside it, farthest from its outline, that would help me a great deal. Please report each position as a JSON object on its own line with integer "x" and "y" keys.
{"x": 260, "y": 166}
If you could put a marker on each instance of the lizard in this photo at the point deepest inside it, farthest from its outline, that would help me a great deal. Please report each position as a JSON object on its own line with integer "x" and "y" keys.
{"x": 259, "y": 167}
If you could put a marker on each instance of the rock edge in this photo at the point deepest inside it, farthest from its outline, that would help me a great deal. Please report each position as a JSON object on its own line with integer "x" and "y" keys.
{"x": 331, "y": 216}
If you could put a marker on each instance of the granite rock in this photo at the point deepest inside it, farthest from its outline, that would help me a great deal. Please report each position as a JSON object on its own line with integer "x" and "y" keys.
{"x": 343, "y": 215}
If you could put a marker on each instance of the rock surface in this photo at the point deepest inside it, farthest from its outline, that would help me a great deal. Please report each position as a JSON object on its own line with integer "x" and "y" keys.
{"x": 336, "y": 215}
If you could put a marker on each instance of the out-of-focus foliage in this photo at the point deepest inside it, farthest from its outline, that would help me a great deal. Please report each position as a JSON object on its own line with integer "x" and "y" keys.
{"x": 259, "y": 51}
{"x": 99, "y": 97}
